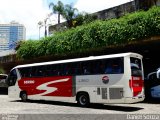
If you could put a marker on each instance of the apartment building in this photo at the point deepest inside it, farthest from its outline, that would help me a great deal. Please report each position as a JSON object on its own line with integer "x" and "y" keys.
{"x": 10, "y": 34}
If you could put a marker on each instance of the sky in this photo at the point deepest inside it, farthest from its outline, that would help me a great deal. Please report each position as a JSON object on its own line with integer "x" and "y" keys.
{"x": 30, "y": 12}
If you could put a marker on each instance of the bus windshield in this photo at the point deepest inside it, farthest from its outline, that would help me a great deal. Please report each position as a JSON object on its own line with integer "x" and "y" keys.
{"x": 11, "y": 80}
{"x": 136, "y": 67}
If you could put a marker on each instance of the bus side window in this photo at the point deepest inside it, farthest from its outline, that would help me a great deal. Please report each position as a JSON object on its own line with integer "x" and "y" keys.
{"x": 108, "y": 67}
{"x": 49, "y": 69}
{"x": 25, "y": 72}
{"x": 86, "y": 68}
{"x": 40, "y": 71}
{"x": 101, "y": 67}
{"x": 69, "y": 69}
{"x": 58, "y": 69}
{"x": 76, "y": 68}
{"x": 114, "y": 66}
{"x": 66, "y": 69}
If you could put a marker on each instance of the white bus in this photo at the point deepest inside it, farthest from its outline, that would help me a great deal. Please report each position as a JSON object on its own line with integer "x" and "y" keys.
{"x": 116, "y": 78}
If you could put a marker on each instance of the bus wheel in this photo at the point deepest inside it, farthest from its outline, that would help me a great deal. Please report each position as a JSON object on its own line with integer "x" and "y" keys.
{"x": 83, "y": 100}
{"x": 24, "y": 96}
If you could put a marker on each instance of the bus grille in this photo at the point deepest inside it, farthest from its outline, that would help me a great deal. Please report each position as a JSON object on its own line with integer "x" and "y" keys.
{"x": 104, "y": 93}
{"x": 116, "y": 93}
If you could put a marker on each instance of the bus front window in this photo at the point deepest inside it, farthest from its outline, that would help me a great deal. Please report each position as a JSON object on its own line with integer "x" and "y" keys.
{"x": 12, "y": 78}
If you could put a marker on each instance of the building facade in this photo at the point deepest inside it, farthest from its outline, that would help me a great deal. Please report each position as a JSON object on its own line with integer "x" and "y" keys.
{"x": 10, "y": 34}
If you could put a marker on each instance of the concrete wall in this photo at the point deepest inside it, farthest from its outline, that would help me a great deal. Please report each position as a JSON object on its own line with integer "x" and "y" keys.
{"x": 117, "y": 11}
{"x": 7, "y": 56}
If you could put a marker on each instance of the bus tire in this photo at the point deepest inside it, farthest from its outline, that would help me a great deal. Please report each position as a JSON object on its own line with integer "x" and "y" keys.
{"x": 24, "y": 96}
{"x": 83, "y": 99}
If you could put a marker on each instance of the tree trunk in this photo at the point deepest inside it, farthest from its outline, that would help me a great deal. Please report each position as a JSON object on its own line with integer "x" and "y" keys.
{"x": 69, "y": 22}
{"x": 59, "y": 18}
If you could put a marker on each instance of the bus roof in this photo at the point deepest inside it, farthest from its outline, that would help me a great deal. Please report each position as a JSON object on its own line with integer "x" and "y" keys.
{"x": 81, "y": 59}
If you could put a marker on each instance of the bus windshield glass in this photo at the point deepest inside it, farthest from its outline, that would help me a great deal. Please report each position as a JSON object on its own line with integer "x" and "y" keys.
{"x": 136, "y": 67}
{"x": 12, "y": 78}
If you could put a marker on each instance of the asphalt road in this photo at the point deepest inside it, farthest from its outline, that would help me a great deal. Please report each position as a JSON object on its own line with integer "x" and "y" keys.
{"x": 11, "y": 109}
{"x": 40, "y": 110}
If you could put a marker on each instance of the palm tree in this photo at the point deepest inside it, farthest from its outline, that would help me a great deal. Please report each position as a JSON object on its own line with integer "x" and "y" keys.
{"x": 57, "y": 9}
{"x": 69, "y": 14}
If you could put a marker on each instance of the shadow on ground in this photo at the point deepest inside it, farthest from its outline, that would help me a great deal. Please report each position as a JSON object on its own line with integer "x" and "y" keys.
{"x": 152, "y": 101}
{"x": 92, "y": 106}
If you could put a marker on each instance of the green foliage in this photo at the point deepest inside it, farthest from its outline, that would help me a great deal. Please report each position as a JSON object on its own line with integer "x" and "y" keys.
{"x": 69, "y": 14}
{"x": 28, "y": 49}
{"x": 132, "y": 27}
{"x": 18, "y": 44}
{"x": 84, "y": 18}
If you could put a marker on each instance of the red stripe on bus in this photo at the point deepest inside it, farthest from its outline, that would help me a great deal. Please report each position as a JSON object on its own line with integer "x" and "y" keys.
{"x": 47, "y": 86}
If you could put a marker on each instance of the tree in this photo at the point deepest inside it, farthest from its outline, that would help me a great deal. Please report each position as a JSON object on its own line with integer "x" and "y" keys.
{"x": 18, "y": 44}
{"x": 57, "y": 9}
{"x": 85, "y": 18}
{"x": 70, "y": 14}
